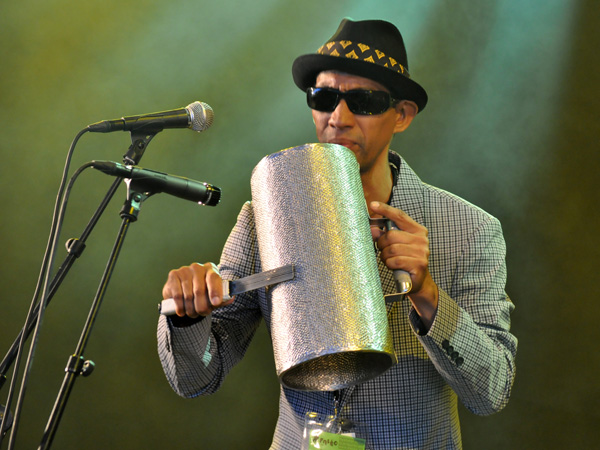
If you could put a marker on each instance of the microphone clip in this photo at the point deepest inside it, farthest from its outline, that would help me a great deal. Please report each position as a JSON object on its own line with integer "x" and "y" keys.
{"x": 139, "y": 143}
{"x": 135, "y": 197}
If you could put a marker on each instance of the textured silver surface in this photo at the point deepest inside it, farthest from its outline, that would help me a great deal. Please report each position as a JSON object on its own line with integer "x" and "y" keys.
{"x": 329, "y": 325}
{"x": 201, "y": 116}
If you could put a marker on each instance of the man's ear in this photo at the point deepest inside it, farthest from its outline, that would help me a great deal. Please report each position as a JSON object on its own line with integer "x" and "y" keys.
{"x": 406, "y": 111}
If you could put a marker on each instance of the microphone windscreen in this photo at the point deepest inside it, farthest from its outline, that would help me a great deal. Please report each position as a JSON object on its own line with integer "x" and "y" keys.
{"x": 202, "y": 116}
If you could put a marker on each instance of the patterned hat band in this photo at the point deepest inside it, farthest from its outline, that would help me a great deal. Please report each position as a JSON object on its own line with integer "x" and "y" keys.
{"x": 349, "y": 49}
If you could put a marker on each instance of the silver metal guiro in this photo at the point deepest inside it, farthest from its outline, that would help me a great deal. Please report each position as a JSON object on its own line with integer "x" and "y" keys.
{"x": 329, "y": 326}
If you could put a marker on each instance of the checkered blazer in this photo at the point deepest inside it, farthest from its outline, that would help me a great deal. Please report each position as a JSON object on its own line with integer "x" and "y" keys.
{"x": 467, "y": 354}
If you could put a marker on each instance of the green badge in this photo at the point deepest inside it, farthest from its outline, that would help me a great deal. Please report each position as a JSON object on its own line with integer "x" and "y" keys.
{"x": 335, "y": 441}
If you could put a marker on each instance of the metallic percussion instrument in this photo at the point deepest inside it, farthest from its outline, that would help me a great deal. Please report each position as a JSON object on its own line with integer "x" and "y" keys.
{"x": 328, "y": 324}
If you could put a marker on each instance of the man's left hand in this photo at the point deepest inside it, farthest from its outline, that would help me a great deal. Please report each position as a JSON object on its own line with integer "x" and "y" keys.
{"x": 408, "y": 249}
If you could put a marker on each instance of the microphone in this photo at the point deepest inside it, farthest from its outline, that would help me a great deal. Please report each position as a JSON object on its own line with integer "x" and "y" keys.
{"x": 153, "y": 181}
{"x": 198, "y": 116}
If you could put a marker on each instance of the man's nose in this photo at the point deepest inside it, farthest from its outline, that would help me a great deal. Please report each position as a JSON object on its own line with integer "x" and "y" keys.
{"x": 341, "y": 116}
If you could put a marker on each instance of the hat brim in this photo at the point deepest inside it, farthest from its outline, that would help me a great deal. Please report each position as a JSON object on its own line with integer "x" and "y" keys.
{"x": 306, "y": 68}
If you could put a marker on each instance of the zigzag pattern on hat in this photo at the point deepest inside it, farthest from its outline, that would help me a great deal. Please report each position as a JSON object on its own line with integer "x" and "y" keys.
{"x": 363, "y": 52}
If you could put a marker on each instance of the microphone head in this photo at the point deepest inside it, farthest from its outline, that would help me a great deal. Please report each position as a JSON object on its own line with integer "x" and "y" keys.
{"x": 201, "y": 115}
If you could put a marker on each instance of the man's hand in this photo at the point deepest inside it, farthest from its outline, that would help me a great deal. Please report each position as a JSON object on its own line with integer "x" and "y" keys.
{"x": 408, "y": 249}
{"x": 197, "y": 289}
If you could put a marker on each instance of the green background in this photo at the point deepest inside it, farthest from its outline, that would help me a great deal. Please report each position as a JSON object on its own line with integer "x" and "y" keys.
{"x": 512, "y": 126}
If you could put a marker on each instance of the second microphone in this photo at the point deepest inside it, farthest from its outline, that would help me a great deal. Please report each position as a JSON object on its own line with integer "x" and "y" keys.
{"x": 156, "y": 182}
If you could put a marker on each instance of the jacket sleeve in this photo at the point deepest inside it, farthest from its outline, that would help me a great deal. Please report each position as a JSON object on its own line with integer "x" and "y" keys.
{"x": 196, "y": 358}
{"x": 469, "y": 342}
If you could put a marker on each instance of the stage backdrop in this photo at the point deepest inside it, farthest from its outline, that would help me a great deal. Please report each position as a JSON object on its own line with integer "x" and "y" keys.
{"x": 511, "y": 126}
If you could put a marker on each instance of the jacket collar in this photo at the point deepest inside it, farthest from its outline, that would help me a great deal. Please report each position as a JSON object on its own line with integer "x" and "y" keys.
{"x": 408, "y": 191}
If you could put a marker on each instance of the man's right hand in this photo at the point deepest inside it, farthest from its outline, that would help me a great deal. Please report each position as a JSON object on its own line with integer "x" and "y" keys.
{"x": 197, "y": 289}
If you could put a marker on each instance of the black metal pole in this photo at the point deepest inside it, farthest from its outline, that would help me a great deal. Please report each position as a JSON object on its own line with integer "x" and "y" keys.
{"x": 75, "y": 251}
{"x": 77, "y": 365}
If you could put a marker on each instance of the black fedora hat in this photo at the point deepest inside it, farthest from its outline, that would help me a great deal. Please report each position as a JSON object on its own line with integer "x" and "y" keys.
{"x": 372, "y": 49}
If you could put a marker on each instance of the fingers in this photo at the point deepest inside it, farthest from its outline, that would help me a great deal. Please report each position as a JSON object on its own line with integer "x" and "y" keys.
{"x": 406, "y": 248}
{"x": 214, "y": 287}
{"x": 409, "y": 231}
{"x": 413, "y": 257}
{"x": 402, "y": 220}
{"x": 376, "y": 232}
{"x": 196, "y": 289}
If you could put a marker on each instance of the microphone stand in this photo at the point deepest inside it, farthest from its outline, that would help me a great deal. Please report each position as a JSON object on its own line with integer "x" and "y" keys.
{"x": 139, "y": 142}
{"x": 75, "y": 248}
{"x": 77, "y": 365}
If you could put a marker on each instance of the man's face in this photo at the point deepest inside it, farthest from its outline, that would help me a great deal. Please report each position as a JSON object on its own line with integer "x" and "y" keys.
{"x": 368, "y": 136}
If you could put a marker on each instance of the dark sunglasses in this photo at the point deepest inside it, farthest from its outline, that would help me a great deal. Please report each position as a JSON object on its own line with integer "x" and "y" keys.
{"x": 359, "y": 101}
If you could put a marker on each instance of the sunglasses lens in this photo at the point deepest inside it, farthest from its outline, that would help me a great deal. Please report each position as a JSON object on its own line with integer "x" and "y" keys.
{"x": 322, "y": 99}
{"x": 368, "y": 102}
{"x": 361, "y": 102}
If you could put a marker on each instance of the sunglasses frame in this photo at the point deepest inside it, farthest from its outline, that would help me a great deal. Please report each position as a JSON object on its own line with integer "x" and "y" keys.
{"x": 353, "y": 105}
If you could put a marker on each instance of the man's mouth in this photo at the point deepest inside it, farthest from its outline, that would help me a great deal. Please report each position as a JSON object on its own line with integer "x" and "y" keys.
{"x": 344, "y": 142}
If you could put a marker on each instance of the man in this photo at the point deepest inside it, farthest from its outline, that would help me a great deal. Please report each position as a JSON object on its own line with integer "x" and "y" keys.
{"x": 451, "y": 337}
